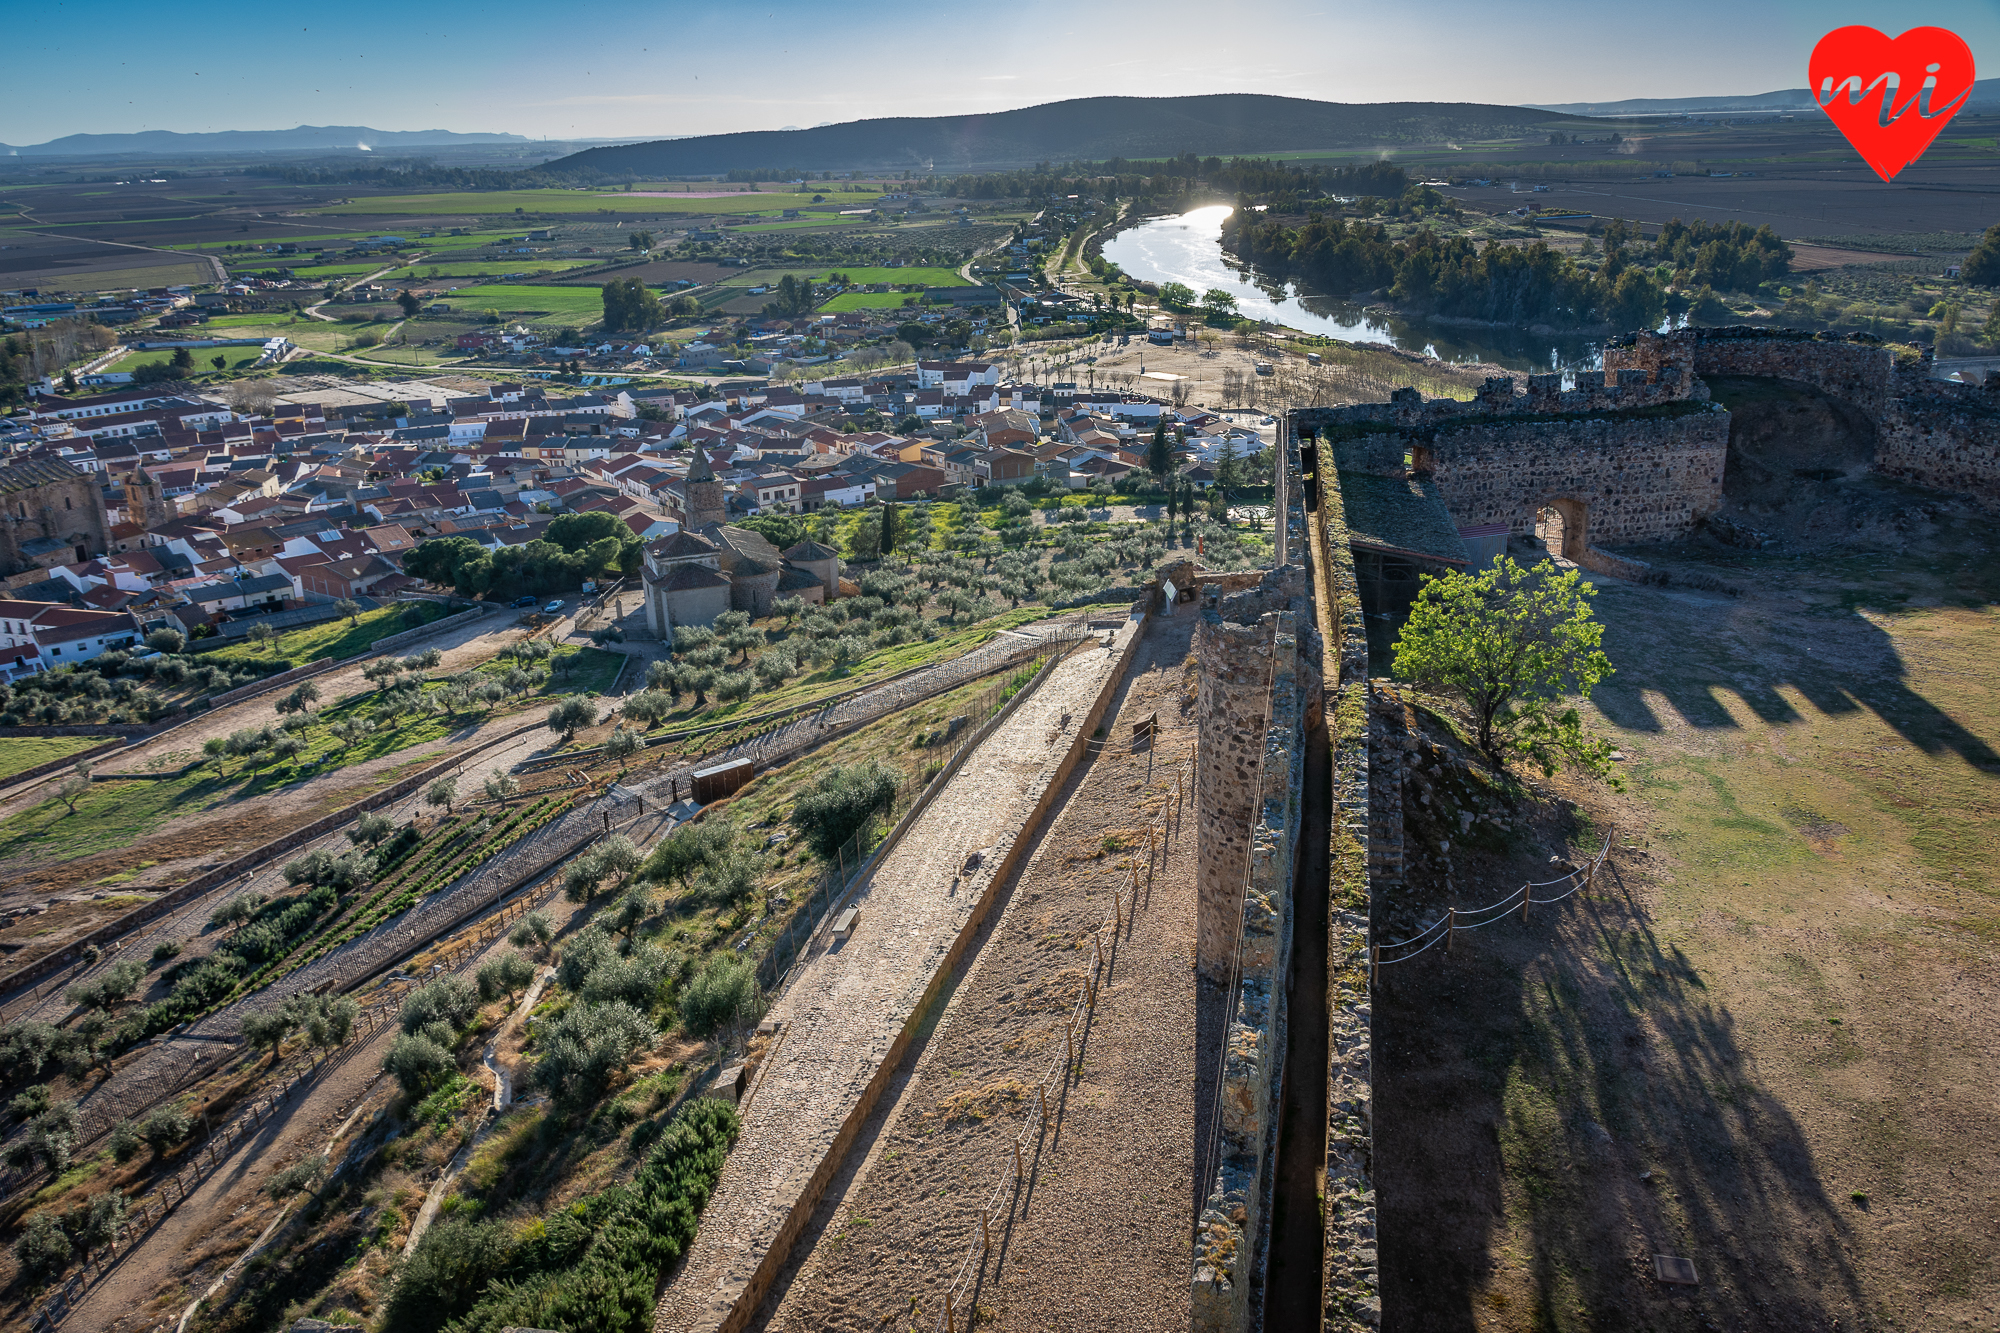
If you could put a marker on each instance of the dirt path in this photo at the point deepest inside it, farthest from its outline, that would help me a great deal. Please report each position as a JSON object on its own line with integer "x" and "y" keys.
{"x": 843, "y": 1016}
{"x": 1099, "y": 1238}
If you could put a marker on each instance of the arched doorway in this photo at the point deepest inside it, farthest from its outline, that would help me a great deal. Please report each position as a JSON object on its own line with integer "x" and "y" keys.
{"x": 1563, "y": 526}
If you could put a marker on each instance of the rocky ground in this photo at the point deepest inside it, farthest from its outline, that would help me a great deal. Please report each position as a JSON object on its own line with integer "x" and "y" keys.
{"x": 1098, "y": 1237}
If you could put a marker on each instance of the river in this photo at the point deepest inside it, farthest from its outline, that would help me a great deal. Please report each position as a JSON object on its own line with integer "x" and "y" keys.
{"x": 1188, "y": 249}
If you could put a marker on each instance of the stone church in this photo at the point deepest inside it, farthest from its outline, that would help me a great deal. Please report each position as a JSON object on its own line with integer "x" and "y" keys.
{"x": 50, "y": 514}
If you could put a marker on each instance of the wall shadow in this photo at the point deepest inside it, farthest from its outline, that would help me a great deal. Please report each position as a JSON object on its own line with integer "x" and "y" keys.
{"x": 1560, "y": 1099}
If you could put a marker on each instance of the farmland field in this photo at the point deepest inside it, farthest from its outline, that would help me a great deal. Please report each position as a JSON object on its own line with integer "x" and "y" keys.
{"x": 867, "y": 301}
{"x": 818, "y": 220}
{"x": 21, "y": 753}
{"x": 562, "y": 201}
{"x": 913, "y": 276}
{"x": 483, "y": 268}
{"x": 235, "y": 358}
{"x": 661, "y": 271}
{"x": 567, "y": 304}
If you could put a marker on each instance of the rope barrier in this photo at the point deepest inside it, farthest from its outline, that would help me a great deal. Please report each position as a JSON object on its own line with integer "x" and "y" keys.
{"x": 1580, "y": 879}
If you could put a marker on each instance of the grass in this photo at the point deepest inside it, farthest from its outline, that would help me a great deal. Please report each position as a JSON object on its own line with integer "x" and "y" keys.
{"x": 20, "y": 753}
{"x": 484, "y": 268}
{"x": 234, "y": 358}
{"x": 335, "y": 638}
{"x": 867, "y": 301}
{"x": 569, "y": 201}
{"x": 115, "y": 814}
{"x": 568, "y": 304}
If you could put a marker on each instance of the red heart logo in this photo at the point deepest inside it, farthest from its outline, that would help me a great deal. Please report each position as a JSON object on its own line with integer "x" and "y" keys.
{"x": 1921, "y": 79}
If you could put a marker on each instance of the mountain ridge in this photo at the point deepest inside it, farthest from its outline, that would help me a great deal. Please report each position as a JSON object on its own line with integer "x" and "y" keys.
{"x": 1985, "y": 92}
{"x": 1088, "y": 128}
{"x": 301, "y": 137}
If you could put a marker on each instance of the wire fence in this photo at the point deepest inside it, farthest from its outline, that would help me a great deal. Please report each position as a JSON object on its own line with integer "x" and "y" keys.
{"x": 1442, "y": 930}
{"x": 997, "y": 1213}
{"x": 166, "y": 1193}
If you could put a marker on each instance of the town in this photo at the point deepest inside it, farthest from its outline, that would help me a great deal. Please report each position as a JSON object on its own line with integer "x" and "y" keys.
{"x": 1214, "y": 711}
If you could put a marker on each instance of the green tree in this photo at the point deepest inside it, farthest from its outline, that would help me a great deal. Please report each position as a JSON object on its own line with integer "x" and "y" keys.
{"x": 1982, "y": 266}
{"x": 1512, "y": 643}
{"x": 572, "y": 715}
{"x": 841, "y": 803}
{"x": 350, "y": 608}
{"x": 269, "y": 1028}
{"x": 44, "y": 1249}
{"x": 166, "y": 641}
{"x": 1160, "y": 453}
{"x": 533, "y": 931}
{"x": 443, "y": 792}
{"x": 408, "y": 300}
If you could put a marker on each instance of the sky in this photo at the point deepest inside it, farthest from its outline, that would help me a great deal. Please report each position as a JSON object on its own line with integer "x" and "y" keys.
{"x": 586, "y": 69}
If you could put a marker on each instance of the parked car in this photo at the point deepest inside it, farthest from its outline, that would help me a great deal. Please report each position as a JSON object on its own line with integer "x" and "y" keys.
{"x": 553, "y": 607}
{"x": 525, "y": 601}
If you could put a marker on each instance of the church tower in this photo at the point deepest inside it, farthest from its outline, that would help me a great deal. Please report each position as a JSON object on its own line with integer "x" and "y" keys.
{"x": 145, "y": 500}
{"x": 706, "y": 503}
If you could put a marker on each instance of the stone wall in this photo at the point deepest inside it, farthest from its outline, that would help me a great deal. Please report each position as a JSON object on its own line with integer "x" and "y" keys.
{"x": 1231, "y": 1234}
{"x": 1636, "y": 478}
{"x": 1238, "y": 677}
{"x": 1853, "y": 367}
{"x": 1348, "y": 1275}
{"x": 1933, "y": 432}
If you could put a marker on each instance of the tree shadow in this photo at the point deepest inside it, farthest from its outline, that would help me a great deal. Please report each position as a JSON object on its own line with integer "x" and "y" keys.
{"x": 1560, "y": 1099}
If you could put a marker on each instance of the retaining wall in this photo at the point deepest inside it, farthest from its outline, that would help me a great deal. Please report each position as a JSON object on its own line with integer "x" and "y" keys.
{"x": 736, "y": 1298}
{"x": 202, "y": 883}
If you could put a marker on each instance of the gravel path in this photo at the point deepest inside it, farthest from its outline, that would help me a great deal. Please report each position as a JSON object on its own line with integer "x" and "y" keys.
{"x": 842, "y": 1017}
{"x": 1098, "y": 1237}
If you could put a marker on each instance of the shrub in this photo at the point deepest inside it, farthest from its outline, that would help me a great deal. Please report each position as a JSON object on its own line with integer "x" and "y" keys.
{"x": 301, "y": 1175}
{"x": 724, "y": 991}
{"x": 508, "y": 975}
{"x": 842, "y": 803}
{"x": 44, "y": 1249}
{"x": 588, "y": 1043}
{"x": 418, "y": 1064}
{"x": 452, "y": 1001}
{"x": 125, "y": 1141}
{"x": 165, "y": 1127}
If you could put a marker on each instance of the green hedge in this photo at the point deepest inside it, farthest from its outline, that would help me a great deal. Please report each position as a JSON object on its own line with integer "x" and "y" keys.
{"x": 594, "y": 1265}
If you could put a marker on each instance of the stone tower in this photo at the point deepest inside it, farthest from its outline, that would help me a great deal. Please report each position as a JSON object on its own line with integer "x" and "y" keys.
{"x": 145, "y": 500}
{"x": 706, "y": 503}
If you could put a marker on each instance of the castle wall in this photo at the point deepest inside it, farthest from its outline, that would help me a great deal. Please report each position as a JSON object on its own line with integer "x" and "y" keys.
{"x": 1637, "y": 479}
{"x": 1857, "y": 369}
{"x": 1943, "y": 434}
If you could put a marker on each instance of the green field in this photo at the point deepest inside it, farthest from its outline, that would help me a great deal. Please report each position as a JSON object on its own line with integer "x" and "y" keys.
{"x": 18, "y": 754}
{"x": 484, "y": 268}
{"x": 868, "y": 301}
{"x": 570, "y": 304}
{"x": 566, "y": 201}
{"x": 322, "y": 270}
{"x": 235, "y": 358}
{"x": 333, "y": 638}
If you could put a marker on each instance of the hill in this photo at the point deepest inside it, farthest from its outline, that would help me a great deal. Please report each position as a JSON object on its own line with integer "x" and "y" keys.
{"x": 303, "y": 137}
{"x": 1087, "y": 128}
{"x": 1986, "y": 92}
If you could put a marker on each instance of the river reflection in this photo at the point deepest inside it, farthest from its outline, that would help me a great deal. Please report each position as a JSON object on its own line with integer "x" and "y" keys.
{"x": 1188, "y": 249}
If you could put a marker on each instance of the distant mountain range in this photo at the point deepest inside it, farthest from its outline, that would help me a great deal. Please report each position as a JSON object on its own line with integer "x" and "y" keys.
{"x": 1091, "y": 128}
{"x": 305, "y": 138}
{"x": 1986, "y": 92}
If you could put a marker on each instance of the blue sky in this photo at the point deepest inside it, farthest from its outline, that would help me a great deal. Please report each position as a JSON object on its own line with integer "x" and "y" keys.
{"x": 583, "y": 69}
